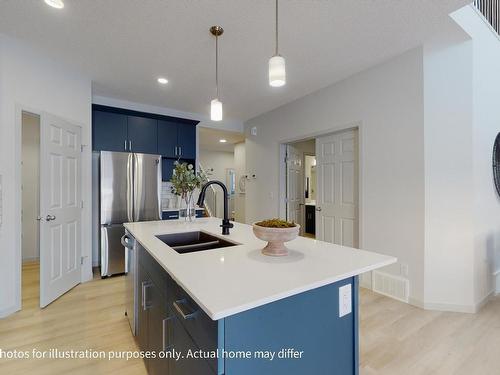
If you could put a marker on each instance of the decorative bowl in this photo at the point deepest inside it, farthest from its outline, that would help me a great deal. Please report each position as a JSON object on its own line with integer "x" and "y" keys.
{"x": 276, "y": 238}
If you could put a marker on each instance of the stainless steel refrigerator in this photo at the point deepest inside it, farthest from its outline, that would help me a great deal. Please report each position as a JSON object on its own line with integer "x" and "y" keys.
{"x": 130, "y": 189}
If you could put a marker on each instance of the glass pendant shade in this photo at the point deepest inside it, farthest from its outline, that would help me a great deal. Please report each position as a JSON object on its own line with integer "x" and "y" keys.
{"x": 277, "y": 72}
{"x": 216, "y": 110}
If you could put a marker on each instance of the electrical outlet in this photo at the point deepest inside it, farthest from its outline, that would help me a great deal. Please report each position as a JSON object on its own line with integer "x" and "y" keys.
{"x": 345, "y": 300}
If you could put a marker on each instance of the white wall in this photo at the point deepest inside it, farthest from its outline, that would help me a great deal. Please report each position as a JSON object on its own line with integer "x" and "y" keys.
{"x": 36, "y": 82}
{"x": 449, "y": 258}
{"x": 387, "y": 103}
{"x": 240, "y": 169}
{"x": 31, "y": 185}
{"x": 219, "y": 161}
{"x": 486, "y": 88}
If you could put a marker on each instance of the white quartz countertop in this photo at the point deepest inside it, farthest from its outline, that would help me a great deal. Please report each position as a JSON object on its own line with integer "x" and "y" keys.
{"x": 230, "y": 280}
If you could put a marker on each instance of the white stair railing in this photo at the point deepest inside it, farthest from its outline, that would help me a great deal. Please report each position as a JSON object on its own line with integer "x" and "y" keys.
{"x": 210, "y": 195}
{"x": 490, "y": 9}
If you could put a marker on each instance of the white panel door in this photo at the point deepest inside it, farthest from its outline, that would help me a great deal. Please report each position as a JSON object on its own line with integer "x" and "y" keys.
{"x": 60, "y": 207}
{"x": 295, "y": 185}
{"x": 337, "y": 195}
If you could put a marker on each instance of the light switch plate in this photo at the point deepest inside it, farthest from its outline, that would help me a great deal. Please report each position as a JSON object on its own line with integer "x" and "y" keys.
{"x": 345, "y": 300}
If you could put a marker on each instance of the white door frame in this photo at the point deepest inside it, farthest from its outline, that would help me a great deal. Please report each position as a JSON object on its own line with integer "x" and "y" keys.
{"x": 305, "y": 136}
{"x": 19, "y": 109}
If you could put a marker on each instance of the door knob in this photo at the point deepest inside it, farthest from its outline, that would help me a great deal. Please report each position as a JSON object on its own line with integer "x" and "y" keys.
{"x": 318, "y": 208}
{"x": 50, "y": 217}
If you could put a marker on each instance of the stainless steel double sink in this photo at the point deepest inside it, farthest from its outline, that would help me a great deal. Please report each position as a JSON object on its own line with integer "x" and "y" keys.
{"x": 189, "y": 242}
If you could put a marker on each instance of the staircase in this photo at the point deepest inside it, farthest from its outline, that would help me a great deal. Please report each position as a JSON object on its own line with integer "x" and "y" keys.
{"x": 211, "y": 194}
{"x": 490, "y": 9}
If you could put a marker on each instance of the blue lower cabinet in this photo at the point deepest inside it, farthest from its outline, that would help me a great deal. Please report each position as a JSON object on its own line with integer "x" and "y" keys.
{"x": 301, "y": 334}
{"x": 170, "y": 215}
{"x": 304, "y": 331}
{"x": 174, "y": 214}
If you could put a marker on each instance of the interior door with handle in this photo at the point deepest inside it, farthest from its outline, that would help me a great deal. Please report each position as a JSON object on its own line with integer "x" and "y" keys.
{"x": 295, "y": 185}
{"x": 60, "y": 207}
{"x": 337, "y": 190}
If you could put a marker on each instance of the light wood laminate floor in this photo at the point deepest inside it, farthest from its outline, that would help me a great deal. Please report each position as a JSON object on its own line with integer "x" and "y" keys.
{"x": 395, "y": 338}
{"x": 90, "y": 316}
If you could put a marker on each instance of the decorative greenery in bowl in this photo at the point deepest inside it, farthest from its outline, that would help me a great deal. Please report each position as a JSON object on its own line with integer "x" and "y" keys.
{"x": 276, "y": 232}
{"x": 276, "y": 223}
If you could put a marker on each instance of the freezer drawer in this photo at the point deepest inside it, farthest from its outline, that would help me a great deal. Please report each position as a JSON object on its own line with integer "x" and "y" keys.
{"x": 112, "y": 250}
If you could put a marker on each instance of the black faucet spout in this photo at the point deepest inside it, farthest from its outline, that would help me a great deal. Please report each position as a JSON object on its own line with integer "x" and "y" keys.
{"x": 226, "y": 224}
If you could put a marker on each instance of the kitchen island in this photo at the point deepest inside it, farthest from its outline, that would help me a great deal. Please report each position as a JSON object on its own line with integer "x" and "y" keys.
{"x": 232, "y": 310}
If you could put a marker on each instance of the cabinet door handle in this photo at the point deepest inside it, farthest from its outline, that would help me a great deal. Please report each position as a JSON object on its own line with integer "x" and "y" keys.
{"x": 184, "y": 309}
{"x": 145, "y": 286}
{"x": 130, "y": 145}
{"x": 165, "y": 345}
{"x": 125, "y": 145}
{"x": 180, "y": 151}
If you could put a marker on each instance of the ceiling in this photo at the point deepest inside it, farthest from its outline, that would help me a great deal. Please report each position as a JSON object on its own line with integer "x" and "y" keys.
{"x": 209, "y": 139}
{"x": 124, "y": 45}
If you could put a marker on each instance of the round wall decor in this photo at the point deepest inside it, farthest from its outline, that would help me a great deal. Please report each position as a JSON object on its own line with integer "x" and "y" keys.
{"x": 496, "y": 163}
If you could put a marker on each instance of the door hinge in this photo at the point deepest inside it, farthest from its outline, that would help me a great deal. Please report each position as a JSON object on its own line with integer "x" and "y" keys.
{"x": 81, "y": 204}
{"x": 81, "y": 260}
{"x": 81, "y": 148}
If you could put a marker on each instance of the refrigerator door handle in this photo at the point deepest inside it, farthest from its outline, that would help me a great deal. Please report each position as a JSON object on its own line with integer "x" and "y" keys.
{"x": 135, "y": 184}
{"x": 158, "y": 186}
{"x": 130, "y": 187}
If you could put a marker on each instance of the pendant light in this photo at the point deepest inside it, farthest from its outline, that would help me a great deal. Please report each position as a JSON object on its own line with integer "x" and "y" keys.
{"x": 216, "y": 104}
{"x": 277, "y": 72}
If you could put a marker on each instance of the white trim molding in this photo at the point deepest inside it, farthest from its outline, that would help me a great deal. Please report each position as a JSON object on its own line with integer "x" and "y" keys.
{"x": 496, "y": 278}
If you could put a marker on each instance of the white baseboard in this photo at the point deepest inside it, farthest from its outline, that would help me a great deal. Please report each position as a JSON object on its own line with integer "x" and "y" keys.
{"x": 8, "y": 311}
{"x": 468, "y": 309}
{"x": 450, "y": 307}
{"x": 416, "y": 302}
{"x": 484, "y": 301}
{"x": 496, "y": 281}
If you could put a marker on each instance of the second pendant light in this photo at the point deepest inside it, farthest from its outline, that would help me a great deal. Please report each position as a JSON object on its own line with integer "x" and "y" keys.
{"x": 277, "y": 71}
{"x": 216, "y": 104}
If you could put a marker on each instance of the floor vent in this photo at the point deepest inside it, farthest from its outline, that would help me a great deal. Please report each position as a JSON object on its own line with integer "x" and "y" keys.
{"x": 391, "y": 286}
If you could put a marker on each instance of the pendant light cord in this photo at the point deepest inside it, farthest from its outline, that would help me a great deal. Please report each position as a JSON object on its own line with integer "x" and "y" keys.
{"x": 217, "y": 65}
{"x": 276, "y": 52}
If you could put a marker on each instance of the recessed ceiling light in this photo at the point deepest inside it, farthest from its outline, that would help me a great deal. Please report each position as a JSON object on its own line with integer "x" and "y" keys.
{"x": 222, "y": 141}
{"x": 58, "y": 4}
{"x": 162, "y": 80}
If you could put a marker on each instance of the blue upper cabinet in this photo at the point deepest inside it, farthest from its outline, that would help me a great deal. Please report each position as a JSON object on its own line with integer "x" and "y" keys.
{"x": 109, "y": 131}
{"x": 167, "y": 138}
{"x": 186, "y": 141}
{"x": 142, "y": 135}
{"x": 177, "y": 139}
{"x": 116, "y": 129}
